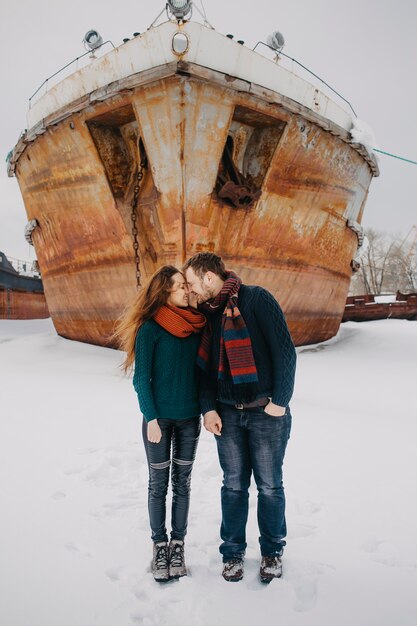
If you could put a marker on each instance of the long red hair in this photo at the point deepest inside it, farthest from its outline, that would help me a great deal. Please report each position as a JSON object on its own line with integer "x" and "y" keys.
{"x": 144, "y": 306}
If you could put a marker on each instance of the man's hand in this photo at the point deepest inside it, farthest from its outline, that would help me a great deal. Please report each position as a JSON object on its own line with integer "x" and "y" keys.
{"x": 213, "y": 423}
{"x": 274, "y": 409}
{"x": 154, "y": 432}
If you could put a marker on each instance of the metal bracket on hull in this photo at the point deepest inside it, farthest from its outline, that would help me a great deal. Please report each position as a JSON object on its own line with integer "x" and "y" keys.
{"x": 359, "y": 232}
{"x": 29, "y": 228}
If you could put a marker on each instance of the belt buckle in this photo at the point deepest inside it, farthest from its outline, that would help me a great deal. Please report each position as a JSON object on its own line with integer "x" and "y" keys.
{"x": 239, "y": 406}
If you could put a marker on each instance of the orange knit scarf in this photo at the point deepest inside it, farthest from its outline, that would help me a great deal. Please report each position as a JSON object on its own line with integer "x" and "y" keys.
{"x": 180, "y": 322}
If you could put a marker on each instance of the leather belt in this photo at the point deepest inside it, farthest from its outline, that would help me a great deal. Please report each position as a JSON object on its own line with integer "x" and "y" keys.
{"x": 259, "y": 402}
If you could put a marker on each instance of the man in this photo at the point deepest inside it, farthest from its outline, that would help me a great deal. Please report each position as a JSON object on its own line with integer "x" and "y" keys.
{"x": 248, "y": 362}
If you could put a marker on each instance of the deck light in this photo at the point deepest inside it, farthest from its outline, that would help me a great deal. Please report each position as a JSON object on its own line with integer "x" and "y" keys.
{"x": 179, "y": 8}
{"x": 92, "y": 40}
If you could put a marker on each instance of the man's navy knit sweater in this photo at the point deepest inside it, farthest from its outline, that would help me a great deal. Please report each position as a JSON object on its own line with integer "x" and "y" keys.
{"x": 272, "y": 346}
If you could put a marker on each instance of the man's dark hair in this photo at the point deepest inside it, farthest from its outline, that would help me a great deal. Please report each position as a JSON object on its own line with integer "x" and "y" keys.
{"x": 203, "y": 262}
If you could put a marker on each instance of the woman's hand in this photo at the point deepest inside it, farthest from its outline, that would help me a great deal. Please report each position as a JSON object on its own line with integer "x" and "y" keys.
{"x": 154, "y": 432}
{"x": 274, "y": 409}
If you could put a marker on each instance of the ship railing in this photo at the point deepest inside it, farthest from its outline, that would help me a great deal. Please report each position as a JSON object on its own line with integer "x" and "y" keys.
{"x": 25, "y": 268}
{"x": 48, "y": 82}
{"x": 381, "y": 298}
{"x": 278, "y": 59}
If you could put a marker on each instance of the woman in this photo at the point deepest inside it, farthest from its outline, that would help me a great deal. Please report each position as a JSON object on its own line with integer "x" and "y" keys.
{"x": 160, "y": 334}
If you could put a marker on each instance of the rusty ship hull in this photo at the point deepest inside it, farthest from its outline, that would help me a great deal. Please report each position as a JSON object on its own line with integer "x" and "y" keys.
{"x": 78, "y": 166}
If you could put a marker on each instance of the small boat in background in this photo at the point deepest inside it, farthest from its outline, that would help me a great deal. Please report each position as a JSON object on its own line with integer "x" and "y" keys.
{"x": 21, "y": 290}
{"x": 182, "y": 140}
{"x": 402, "y": 306}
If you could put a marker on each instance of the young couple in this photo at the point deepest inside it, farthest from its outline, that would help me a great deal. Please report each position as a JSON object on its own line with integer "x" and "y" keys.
{"x": 202, "y": 342}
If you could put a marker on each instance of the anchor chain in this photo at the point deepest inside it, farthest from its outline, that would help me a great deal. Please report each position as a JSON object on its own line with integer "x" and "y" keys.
{"x": 133, "y": 215}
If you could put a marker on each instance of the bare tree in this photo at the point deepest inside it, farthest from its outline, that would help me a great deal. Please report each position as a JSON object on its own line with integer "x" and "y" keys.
{"x": 405, "y": 260}
{"x": 388, "y": 264}
{"x": 375, "y": 262}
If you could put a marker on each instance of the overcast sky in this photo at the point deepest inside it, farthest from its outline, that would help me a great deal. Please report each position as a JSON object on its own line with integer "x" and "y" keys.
{"x": 366, "y": 49}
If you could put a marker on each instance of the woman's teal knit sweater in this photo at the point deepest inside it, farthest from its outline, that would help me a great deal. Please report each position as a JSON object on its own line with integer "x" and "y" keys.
{"x": 165, "y": 377}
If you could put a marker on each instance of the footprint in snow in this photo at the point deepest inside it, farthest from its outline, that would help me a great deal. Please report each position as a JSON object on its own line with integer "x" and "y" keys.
{"x": 120, "y": 506}
{"x": 306, "y": 594}
{"x": 304, "y": 577}
{"x": 371, "y": 544}
{"x": 59, "y": 495}
{"x": 298, "y": 531}
{"x": 148, "y": 613}
{"x": 304, "y": 507}
{"x": 385, "y": 553}
{"x": 71, "y": 547}
{"x": 114, "y": 573}
{"x": 89, "y": 450}
{"x": 152, "y": 619}
{"x": 74, "y": 470}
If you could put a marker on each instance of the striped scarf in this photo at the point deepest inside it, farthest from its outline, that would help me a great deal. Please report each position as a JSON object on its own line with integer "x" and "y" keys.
{"x": 236, "y": 355}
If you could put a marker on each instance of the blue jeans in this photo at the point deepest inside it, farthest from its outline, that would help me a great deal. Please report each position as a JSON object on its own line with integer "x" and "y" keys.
{"x": 252, "y": 441}
{"x": 182, "y": 436}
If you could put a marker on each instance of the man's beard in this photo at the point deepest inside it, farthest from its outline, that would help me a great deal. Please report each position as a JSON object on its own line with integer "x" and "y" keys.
{"x": 207, "y": 295}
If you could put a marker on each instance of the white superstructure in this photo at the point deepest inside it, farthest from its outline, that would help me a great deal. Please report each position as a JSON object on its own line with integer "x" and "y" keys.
{"x": 206, "y": 48}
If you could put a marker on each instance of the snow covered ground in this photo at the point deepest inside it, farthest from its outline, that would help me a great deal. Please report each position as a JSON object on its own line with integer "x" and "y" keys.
{"x": 73, "y": 479}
